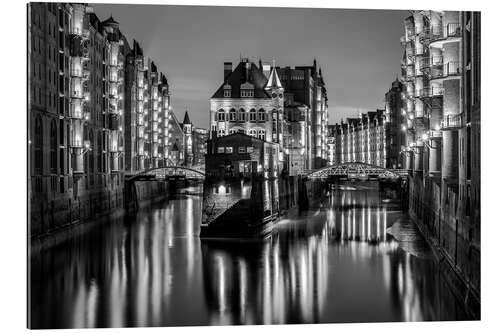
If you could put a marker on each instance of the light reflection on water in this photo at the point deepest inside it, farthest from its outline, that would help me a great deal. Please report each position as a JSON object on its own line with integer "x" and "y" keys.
{"x": 337, "y": 264}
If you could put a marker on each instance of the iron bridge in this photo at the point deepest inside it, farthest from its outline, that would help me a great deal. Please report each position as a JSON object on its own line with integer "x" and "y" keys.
{"x": 356, "y": 170}
{"x": 168, "y": 173}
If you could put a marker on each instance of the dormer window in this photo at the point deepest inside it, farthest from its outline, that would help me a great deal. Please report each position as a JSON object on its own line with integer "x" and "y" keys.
{"x": 246, "y": 93}
{"x": 227, "y": 90}
{"x": 246, "y": 90}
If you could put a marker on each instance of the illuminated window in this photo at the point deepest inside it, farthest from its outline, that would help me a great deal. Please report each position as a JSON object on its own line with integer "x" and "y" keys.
{"x": 229, "y": 150}
{"x": 249, "y": 149}
{"x": 221, "y": 115}
{"x": 261, "y": 134}
{"x": 241, "y": 150}
{"x": 220, "y": 150}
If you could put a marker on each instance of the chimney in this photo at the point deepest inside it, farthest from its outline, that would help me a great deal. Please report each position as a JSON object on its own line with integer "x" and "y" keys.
{"x": 228, "y": 68}
{"x": 266, "y": 69}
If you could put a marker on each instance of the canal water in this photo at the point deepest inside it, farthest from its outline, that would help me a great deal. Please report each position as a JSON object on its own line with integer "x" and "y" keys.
{"x": 354, "y": 260}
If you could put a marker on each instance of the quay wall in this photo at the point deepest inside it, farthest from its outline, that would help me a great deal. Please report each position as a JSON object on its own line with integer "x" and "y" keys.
{"x": 434, "y": 206}
{"x": 54, "y": 220}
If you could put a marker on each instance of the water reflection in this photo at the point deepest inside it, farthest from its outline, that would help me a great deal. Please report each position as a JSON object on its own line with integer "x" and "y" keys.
{"x": 337, "y": 264}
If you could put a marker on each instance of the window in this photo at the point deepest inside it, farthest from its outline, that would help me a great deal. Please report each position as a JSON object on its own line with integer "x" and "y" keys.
{"x": 262, "y": 115}
{"x": 241, "y": 115}
{"x": 220, "y": 150}
{"x": 252, "y": 132}
{"x": 242, "y": 150}
{"x": 246, "y": 93}
{"x": 232, "y": 115}
{"x": 229, "y": 150}
{"x": 221, "y": 115}
{"x": 227, "y": 92}
{"x": 253, "y": 115}
{"x": 53, "y": 146}
{"x": 38, "y": 145}
{"x": 249, "y": 149}
{"x": 261, "y": 134}
{"x": 221, "y": 132}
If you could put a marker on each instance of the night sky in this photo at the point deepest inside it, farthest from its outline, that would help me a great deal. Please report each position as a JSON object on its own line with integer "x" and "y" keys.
{"x": 358, "y": 50}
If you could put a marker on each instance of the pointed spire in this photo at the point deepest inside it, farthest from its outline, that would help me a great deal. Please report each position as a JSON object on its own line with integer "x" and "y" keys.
{"x": 186, "y": 118}
{"x": 260, "y": 64}
{"x": 274, "y": 80}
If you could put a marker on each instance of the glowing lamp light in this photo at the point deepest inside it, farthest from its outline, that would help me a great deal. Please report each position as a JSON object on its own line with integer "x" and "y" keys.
{"x": 86, "y": 144}
{"x": 438, "y": 127}
{"x": 221, "y": 189}
{"x": 403, "y": 128}
{"x": 425, "y": 137}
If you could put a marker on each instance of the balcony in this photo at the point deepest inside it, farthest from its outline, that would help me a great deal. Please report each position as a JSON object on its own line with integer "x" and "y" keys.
{"x": 428, "y": 92}
{"x": 433, "y": 134}
{"x": 75, "y": 111}
{"x": 451, "y": 30}
{"x": 453, "y": 121}
{"x": 419, "y": 51}
{"x": 76, "y": 72}
{"x": 76, "y": 94}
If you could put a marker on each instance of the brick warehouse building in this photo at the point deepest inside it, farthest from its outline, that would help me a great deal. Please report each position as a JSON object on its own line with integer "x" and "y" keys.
{"x": 97, "y": 110}
{"x": 441, "y": 76}
{"x": 305, "y": 85}
{"x": 360, "y": 139}
{"x": 253, "y": 100}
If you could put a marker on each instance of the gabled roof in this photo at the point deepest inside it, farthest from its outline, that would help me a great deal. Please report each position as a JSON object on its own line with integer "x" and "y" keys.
{"x": 239, "y": 76}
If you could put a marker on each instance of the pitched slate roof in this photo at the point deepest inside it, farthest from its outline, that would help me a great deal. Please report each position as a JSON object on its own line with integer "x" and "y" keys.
{"x": 239, "y": 76}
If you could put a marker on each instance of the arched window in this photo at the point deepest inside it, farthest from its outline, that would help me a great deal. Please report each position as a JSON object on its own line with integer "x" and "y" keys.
{"x": 221, "y": 116}
{"x": 38, "y": 145}
{"x": 261, "y": 134}
{"x": 236, "y": 130}
{"x": 221, "y": 132}
{"x": 232, "y": 115}
{"x": 253, "y": 115}
{"x": 53, "y": 146}
{"x": 262, "y": 115}
{"x": 241, "y": 115}
{"x": 252, "y": 132}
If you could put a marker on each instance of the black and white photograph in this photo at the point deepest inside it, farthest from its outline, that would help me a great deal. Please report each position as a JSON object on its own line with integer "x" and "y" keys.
{"x": 209, "y": 165}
